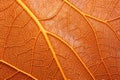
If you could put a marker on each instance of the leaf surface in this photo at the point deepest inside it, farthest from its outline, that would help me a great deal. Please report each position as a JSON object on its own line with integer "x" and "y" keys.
{"x": 60, "y": 40}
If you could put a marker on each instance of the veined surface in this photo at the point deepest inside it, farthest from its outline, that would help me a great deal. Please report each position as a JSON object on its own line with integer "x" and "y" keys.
{"x": 60, "y": 39}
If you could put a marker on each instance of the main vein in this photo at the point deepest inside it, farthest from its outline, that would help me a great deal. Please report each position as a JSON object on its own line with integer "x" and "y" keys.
{"x": 44, "y": 33}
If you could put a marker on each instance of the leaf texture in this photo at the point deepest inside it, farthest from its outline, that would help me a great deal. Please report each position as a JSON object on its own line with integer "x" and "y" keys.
{"x": 59, "y": 40}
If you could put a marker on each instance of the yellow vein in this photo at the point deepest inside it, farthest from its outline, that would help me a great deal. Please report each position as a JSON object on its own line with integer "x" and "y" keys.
{"x": 84, "y": 15}
{"x": 108, "y": 25}
{"x": 77, "y": 9}
{"x": 4, "y": 62}
{"x": 105, "y": 22}
{"x": 45, "y": 35}
{"x": 91, "y": 28}
{"x": 11, "y": 75}
{"x": 98, "y": 47}
{"x": 76, "y": 54}
{"x": 113, "y": 19}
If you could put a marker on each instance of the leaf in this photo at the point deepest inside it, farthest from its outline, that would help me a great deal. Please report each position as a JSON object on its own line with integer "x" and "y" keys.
{"x": 59, "y": 40}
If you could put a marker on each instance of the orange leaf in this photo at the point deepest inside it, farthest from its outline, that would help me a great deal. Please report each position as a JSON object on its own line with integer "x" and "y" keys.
{"x": 59, "y": 39}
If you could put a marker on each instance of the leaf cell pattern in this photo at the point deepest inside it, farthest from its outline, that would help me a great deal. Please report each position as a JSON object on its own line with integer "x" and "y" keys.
{"x": 59, "y": 40}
